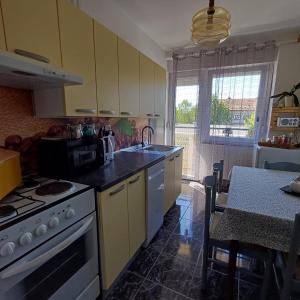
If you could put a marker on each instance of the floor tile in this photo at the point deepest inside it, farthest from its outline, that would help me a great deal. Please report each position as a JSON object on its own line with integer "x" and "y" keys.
{"x": 151, "y": 291}
{"x": 183, "y": 247}
{"x": 216, "y": 283}
{"x": 144, "y": 261}
{"x": 160, "y": 240}
{"x": 126, "y": 287}
{"x": 176, "y": 212}
{"x": 189, "y": 229}
{"x": 248, "y": 291}
{"x": 169, "y": 223}
{"x": 195, "y": 211}
{"x": 173, "y": 273}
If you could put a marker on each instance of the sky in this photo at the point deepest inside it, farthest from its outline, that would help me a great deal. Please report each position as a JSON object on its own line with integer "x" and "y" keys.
{"x": 235, "y": 87}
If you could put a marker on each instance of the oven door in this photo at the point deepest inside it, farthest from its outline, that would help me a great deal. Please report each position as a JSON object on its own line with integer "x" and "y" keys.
{"x": 64, "y": 267}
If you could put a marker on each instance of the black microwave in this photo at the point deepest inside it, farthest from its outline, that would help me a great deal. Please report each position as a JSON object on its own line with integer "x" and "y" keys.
{"x": 65, "y": 158}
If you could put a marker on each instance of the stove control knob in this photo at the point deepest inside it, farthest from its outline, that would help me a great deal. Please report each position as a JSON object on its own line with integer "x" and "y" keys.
{"x": 53, "y": 222}
{"x": 70, "y": 213}
{"x": 25, "y": 239}
{"x": 8, "y": 249}
{"x": 41, "y": 230}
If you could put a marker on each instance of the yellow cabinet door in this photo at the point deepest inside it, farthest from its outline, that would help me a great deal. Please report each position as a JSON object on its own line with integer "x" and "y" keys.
{"x": 32, "y": 26}
{"x": 129, "y": 80}
{"x": 178, "y": 173}
{"x": 160, "y": 92}
{"x": 106, "y": 53}
{"x": 147, "y": 100}
{"x": 113, "y": 228}
{"x": 2, "y": 36}
{"x": 169, "y": 183}
{"x": 136, "y": 192}
{"x": 78, "y": 56}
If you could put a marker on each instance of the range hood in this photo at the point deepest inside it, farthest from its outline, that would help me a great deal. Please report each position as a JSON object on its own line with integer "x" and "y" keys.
{"x": 26, "y": 73}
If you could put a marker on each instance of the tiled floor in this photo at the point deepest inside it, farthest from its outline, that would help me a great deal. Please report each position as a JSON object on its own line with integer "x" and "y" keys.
{"x": 170, "y": 267}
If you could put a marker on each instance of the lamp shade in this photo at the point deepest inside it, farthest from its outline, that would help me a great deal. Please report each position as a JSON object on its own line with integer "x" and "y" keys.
{"x": 210, "y": 29}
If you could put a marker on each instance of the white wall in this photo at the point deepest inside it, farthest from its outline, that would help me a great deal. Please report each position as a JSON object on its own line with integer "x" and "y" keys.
{"x": 288, "y": 68}
{"x": 110, "y": 15}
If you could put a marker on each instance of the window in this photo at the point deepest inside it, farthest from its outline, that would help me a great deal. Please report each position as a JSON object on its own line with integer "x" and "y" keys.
{"x": 233, "y": 99}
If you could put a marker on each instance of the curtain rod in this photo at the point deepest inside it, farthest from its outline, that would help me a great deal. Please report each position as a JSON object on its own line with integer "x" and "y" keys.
{"x": 183, "y": 51}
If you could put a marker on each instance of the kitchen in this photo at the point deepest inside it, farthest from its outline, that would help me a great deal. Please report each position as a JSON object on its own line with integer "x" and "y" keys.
{"x": 110, "y": 143}
{"x": 72, "y": 123}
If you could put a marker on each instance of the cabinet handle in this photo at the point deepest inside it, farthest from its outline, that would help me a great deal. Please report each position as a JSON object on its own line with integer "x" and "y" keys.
{"x": 171, "y": 159}
{"x": 157, "y": 115}
{"x": 107, "y": 112}
{"x": 134, "y": 180}
{"x": 86, "y": 110}
{"x": 118, "y": 190}
{"x": 126, "y": 113}
{"x": 32, "y": 55}
{"x": 149, "y": 115}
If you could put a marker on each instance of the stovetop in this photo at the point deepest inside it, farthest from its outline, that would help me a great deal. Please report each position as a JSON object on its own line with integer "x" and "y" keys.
{"x": 35, "y": 192}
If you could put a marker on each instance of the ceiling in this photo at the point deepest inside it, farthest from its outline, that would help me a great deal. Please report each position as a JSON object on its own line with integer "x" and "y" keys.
{"x": 167, "y": 22}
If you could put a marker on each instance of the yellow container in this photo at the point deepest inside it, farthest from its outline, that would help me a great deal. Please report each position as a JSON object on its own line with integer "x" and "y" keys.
{"x": 10, "y": 171}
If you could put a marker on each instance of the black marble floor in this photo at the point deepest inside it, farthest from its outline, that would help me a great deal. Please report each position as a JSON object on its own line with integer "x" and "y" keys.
{"x": 170, "y": 267}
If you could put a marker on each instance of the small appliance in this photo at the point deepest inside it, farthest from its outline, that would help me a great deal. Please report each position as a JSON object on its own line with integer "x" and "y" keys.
{"x": 288, "y": 122}
{"x": 48, "y": 241}
{"x": 107, "y": 136}
{"x": 65, "y": 158}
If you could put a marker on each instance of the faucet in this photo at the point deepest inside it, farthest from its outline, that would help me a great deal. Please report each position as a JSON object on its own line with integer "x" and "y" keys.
{"x": 152, "y": 131}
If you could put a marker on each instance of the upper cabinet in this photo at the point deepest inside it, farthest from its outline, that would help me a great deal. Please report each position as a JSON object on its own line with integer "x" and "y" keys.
{"x": 31, "y": 27}
{"x": 106, "y": 53}
{"x": 147, "y": 102}
{"x": 77, "y": 48}
{"x": 160, "y": 91}
{"x": 129, "y": 77}
{"x": 2, "y": 36}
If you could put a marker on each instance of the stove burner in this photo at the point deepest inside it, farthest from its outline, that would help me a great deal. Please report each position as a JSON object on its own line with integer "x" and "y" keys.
{"x": 54, "y": 188}
{"x": 6, "y": 211}
{"x": 29, "y": 183}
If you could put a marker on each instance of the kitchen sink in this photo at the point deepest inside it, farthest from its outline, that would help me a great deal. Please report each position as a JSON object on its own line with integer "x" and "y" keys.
{"x": 159, "y": 148}
{"x": 150, "y": 148}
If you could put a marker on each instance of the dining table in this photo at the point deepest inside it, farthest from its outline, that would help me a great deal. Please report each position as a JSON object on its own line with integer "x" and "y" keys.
{"x": 258, "y": 212}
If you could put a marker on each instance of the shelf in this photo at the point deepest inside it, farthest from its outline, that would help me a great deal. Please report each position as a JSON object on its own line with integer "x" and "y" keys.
{"x": 285, "y": 109}
{"x": 284, "y": 129}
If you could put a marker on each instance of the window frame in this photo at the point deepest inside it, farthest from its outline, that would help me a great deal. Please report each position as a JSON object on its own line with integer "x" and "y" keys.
{"x": 204, "y": 118}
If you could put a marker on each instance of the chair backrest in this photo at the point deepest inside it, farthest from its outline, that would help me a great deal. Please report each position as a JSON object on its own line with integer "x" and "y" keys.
{"x": 210, "y": 197}
{"x": 219, "y": 168}
{"x": 292, "y": 260}
{"x": 282, "y": 166}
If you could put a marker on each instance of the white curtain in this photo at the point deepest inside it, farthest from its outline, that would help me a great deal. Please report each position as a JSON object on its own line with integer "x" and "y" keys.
{"x": 232, "y": 87}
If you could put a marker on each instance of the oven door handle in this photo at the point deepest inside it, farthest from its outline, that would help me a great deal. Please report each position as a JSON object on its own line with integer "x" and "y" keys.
{"x": 26, "y": 265}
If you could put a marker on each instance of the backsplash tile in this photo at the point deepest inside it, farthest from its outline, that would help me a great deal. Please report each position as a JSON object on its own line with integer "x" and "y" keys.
{"x": 20, "y": 130}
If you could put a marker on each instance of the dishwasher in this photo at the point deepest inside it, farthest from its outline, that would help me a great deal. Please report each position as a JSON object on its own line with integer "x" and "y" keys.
{"x": 155, "y": 199}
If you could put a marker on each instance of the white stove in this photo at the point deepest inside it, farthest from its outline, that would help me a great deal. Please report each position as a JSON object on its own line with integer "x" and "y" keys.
{"x": 48, "y": 241}
{"x": 33, "y": 193}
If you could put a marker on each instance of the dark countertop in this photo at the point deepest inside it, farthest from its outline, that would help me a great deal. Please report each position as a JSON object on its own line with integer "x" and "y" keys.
{"x": 124, "y": 165}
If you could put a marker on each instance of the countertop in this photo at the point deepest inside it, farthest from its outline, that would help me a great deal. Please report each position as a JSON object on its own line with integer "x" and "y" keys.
{"x": 124, "y": 165}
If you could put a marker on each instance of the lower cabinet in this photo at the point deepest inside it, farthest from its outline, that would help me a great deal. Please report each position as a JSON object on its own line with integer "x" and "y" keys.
{"x": 136, "y": 194}
{"x": 173, "y": 174}
{"x": 122, "y": 225}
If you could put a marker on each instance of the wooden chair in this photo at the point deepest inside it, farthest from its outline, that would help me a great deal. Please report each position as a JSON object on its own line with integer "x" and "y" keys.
{"x": 287, "y": 271}
{"x": 282, "y": 166}
{"x": 212, "y": 217}
{"x": 222, "y": 186}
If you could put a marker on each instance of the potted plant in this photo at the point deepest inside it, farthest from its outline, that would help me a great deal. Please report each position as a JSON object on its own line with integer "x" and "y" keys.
{"x": 290, "y": 99}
